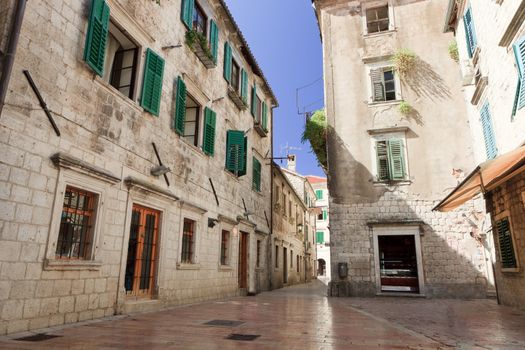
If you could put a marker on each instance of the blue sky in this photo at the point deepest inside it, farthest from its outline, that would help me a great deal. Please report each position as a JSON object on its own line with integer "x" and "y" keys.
{"x": 284, "y": 38}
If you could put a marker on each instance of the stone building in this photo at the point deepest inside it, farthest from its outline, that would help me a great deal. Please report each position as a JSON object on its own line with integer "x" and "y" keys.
{"x": 153, "y": 190}
{"x": 490, "y": 37}
{"x": 397, "y": 132}
{"x": 305, "y": 191}
{"x": 322, "y": 227}
{"x": 291, "y": 248}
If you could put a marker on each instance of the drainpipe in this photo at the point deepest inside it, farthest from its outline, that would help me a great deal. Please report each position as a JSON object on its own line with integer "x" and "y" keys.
{"x": 269, "y": 245}
{"x": 9, "y": 58}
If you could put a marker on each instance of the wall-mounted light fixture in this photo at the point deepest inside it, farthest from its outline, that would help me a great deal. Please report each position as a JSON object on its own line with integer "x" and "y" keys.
{"x": 212, "y": 222}
{"x": 159, "y": 170}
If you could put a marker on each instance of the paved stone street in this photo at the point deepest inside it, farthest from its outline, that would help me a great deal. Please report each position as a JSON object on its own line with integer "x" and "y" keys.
{"x": 301, "y": 317}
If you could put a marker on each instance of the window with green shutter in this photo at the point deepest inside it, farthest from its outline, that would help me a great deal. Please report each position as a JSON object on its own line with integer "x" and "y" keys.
{"x": 236, "y": 149}
{"x": 264, "y": 116}
{"x": 152, "y": 82}
{"x": 244, "y": 86}
{"x": 187, "y": 12}
{"x": 319, "y": 237}
{"x": 180, "y": 107}
{"x": 488, "y": 132}
{"x": 256, "y": 175}
{"x": 519, "y": 54}
{"x": 325, "y": 214}
{"x": 254, "y": 101}
{"x": 506, "y": 244}
{"x": 319, "y": 194}
{"x": 97, "y": 36}
{"x": 214, "y": 40}
{"x": 208, "y": 144}
{"x": 390, "y": 159}
{"x": 227, "y": 62}
{"x": 470, "y": 32}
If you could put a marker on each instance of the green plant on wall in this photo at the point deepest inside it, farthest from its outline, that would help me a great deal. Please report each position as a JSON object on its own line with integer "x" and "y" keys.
{"x": 404, "y": 61}
{"x": 193, "y": 37}
{"x": 453, "y": 51}
{"x": 315, "y": 131}
{"x": 405, "y": 108}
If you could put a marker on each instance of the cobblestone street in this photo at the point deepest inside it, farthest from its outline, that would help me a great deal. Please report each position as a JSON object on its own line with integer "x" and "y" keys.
{"x": 300, "y": 317}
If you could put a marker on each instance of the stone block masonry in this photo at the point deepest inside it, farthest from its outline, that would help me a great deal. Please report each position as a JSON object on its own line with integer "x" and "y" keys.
{"x": 105, "y": 149}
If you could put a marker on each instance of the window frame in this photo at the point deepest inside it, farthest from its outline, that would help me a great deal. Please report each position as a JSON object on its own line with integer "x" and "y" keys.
{"x": 384, "y": 67}
{"x": 386, "y": 136}
{"x": 276, "y": 262}
{"x": 377, "y": 20}
{"x": 91, "y": 212}
{"x": 197, "y": 137}
{"x": 375, "y": 5}
{"x": 501, "y": 216}
{"x": 196, "y": 214}
{"x": 93, "y": 184}
{"x": 197, "y": 7}
{"x": 225, "y": 248}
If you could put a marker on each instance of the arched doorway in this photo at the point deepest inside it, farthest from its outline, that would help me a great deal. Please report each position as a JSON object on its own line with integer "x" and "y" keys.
{"x": 321, "y": 267}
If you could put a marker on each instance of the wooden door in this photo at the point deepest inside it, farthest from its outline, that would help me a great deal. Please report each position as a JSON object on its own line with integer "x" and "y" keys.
{"x": 285, "y": 265}
{"x": 141, "y": 266}
{"x": 243, "y": 260}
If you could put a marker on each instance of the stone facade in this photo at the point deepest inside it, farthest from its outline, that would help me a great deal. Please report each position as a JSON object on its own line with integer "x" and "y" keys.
{"x": 490, "y": 75}
{"x": 291, "y": 248}
{"x": 387, "y": 166}
{"x": 322, "y": 224}
{"x": 105, "y": 148}
{"x": 508, "y": 201}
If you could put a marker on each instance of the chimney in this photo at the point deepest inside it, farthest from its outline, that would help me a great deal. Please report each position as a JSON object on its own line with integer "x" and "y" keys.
{"x": 291, "y": 162}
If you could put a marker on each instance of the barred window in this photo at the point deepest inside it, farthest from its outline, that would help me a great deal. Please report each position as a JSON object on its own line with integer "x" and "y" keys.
{"x": 75, "y": 238}
{"x": 225, "y": 240}
{"x": 188, "y": 241}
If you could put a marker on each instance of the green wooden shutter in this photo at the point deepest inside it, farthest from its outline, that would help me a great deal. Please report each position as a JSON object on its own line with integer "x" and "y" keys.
{"x": 244, "y": 86}
{"x": 234, "y": 150}
{"x": 256, "y": 175}
{"x": 180, "y": 107}
{"x": 254, "y": 100}
{"x": 152, "y": 83}
{"x": 244, "y": 158}
{"x": 227, "y": 62}
{"x": 506, "y": 246}
{"x": 187, "y": 12}
{"x": 325, "y": 214}
{"x": 488, "y": 132}
{"x": 209, "y": 131}
{"x": 383, "y": 172}
{"x": 97, "y": 36}
{"x": 319, "y": 237}
{"x": 396, "y": 156}
{"x": 319, "y": 194}
{"x": 470, "y": 32}
{"x": 519, "y": 53}
{"x": 214, "y": 40}
{"x": 264, "y": 116}
{"x": 378, "y": 86}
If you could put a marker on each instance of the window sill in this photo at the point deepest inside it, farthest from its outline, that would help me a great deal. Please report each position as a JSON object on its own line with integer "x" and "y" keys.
{"x": 208, "y": 62}
{"x": 71, "y": 265}
{"x": 131, "y": 103}
{"x": 511, "y": 270}
{"x": 192, "y": 147}
{"x": 225, "y": 268}
{"x": 260, "y": 130}
{"x": 392, "y": 183}
{"x": 231, "y": 174}
{"x": 259, "y": 192}
{"x": 372, "y": 35}
{"x": 187, "y": 266}
{"x": 236, "y": 98}
{"x": 384, "y": 103}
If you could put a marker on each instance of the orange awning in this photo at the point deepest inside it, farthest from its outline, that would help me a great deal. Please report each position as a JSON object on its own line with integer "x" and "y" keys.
{"x": 485, "y": 178}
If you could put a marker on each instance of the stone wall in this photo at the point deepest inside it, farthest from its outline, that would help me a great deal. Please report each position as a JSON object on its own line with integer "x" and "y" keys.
{"x": 508, "y": 200}
{"x": 104, "y": 130}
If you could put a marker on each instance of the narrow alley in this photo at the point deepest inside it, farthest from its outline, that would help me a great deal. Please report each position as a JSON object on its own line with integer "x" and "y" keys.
{"x": 298, "y": 317}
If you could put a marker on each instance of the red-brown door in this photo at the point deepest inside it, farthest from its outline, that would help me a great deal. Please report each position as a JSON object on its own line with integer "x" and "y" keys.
{"x": 141, "y": 266}
{"x": 243, "y": 260}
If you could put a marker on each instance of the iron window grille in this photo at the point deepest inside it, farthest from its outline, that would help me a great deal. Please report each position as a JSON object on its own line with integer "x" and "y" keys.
{"x": 188, "y": 241}
{"x": 75, "y": 237}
